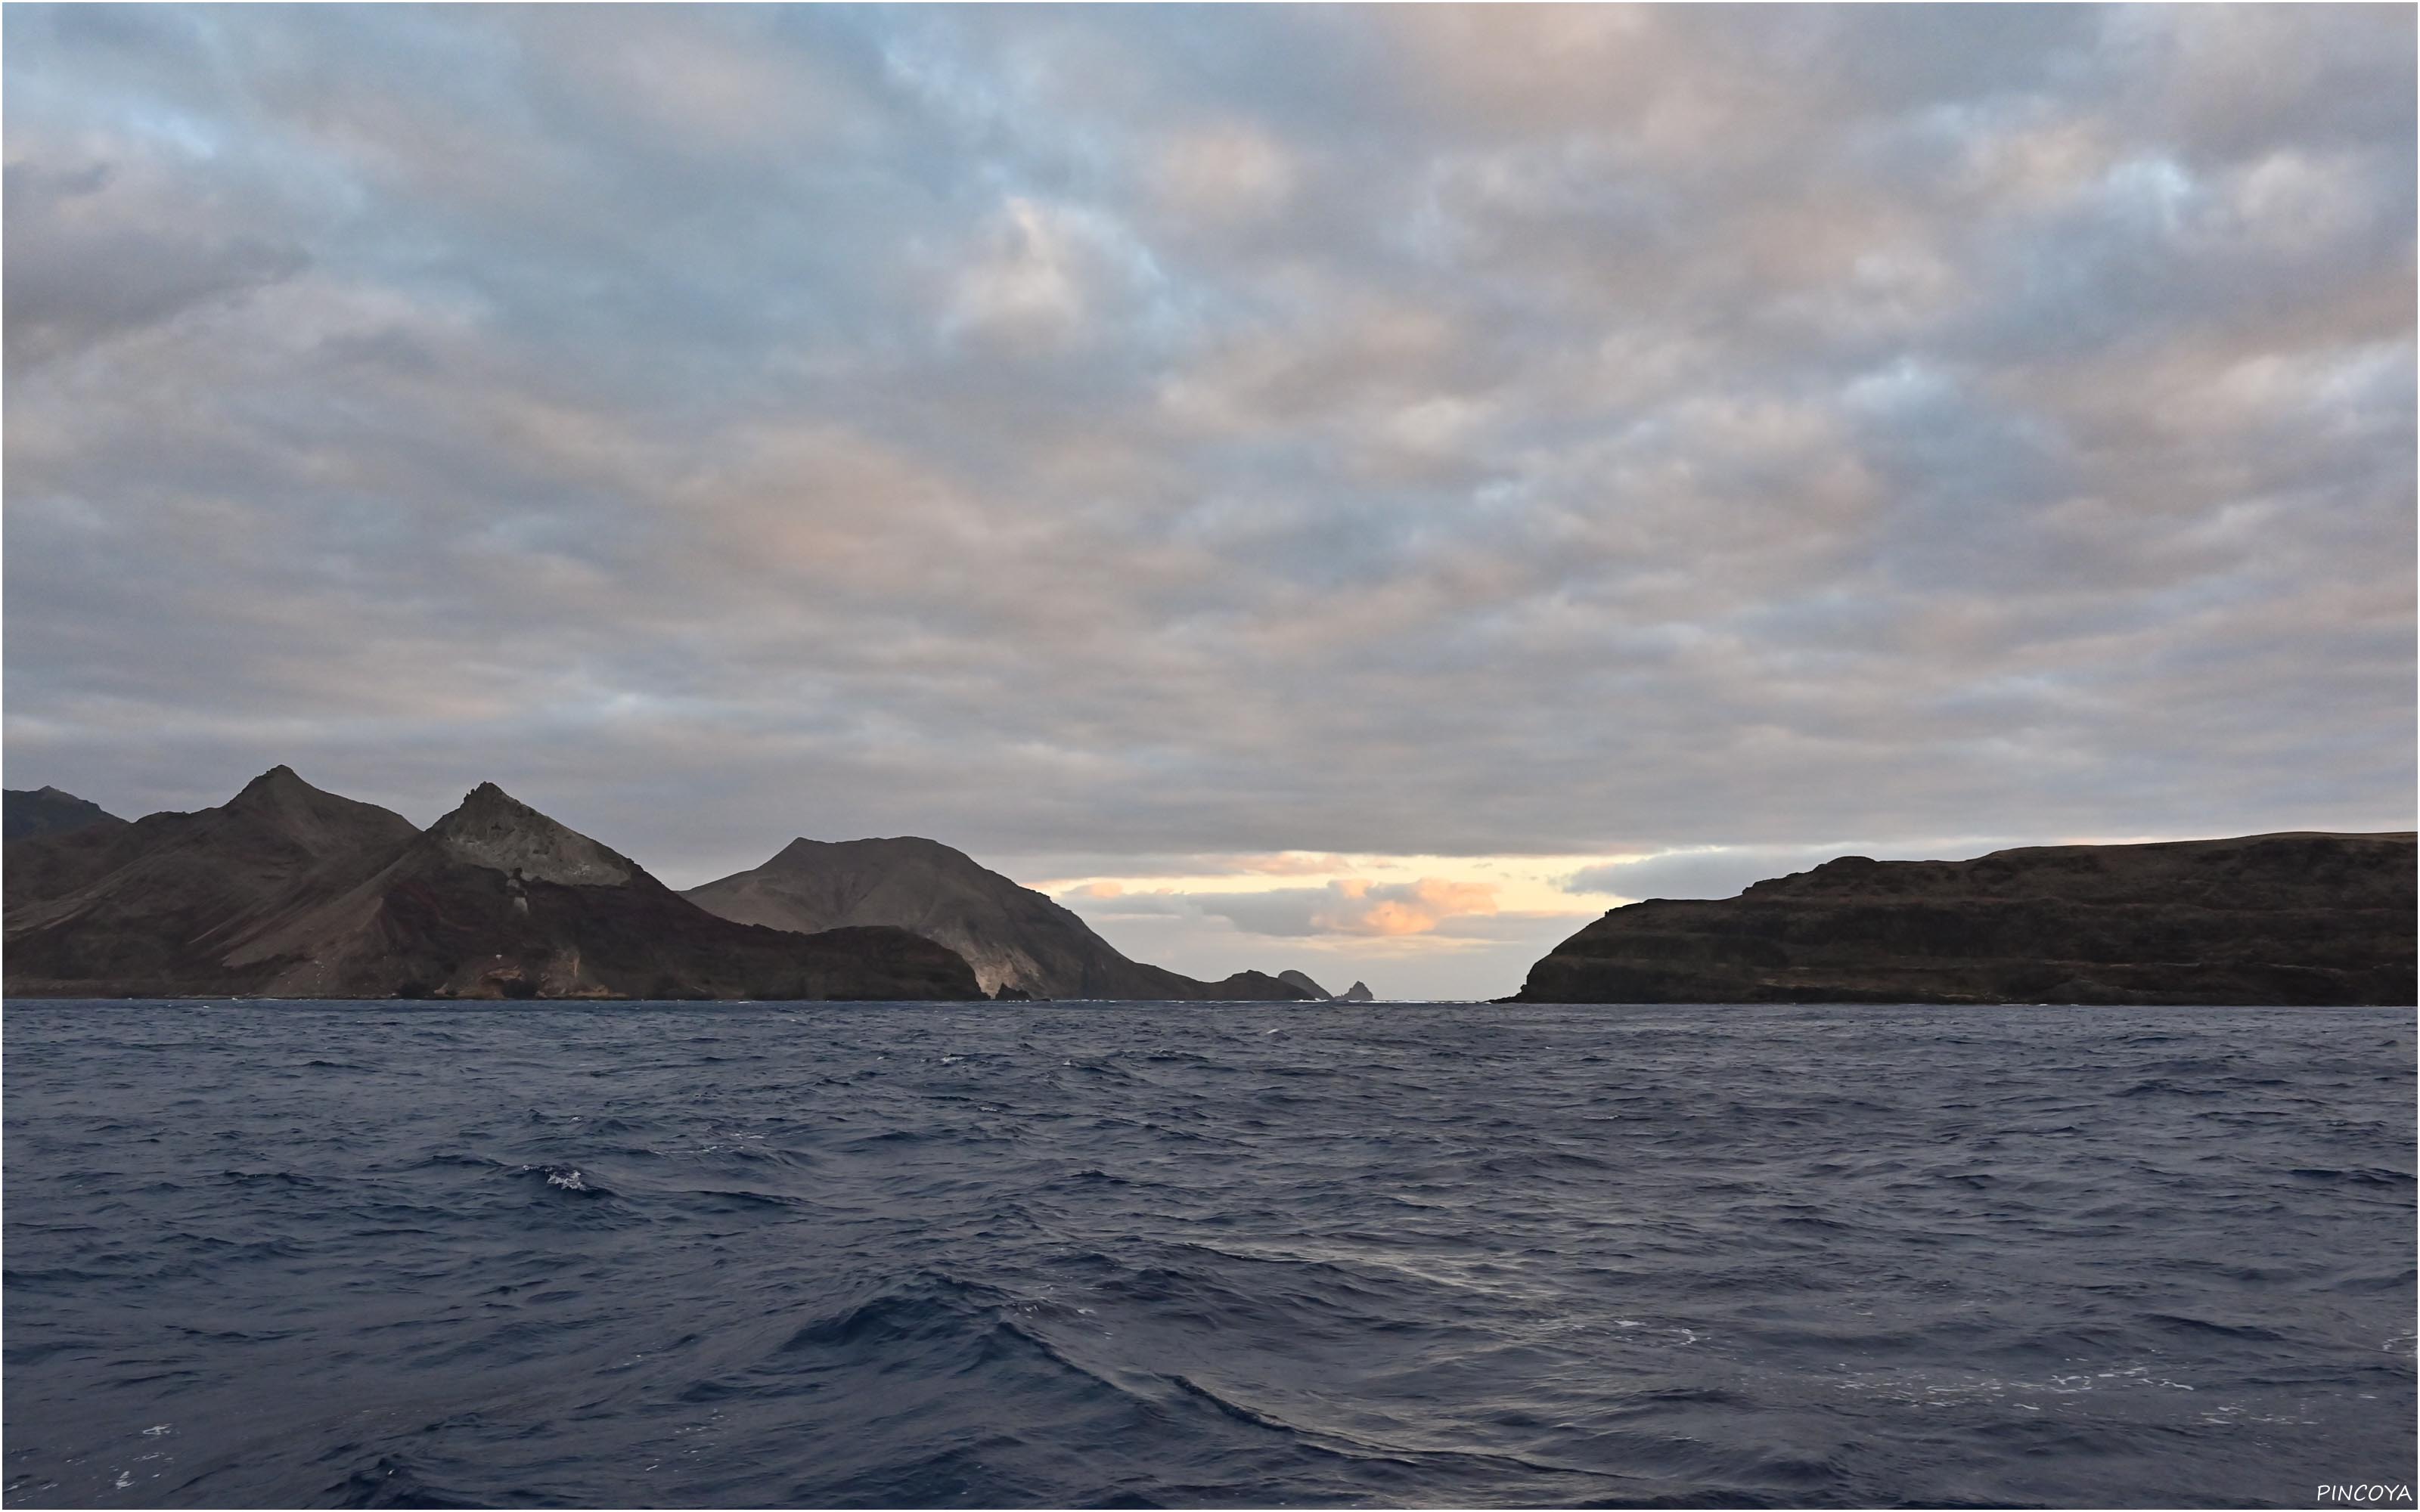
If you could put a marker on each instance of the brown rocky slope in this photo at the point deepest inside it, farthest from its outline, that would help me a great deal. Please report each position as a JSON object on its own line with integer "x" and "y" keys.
{"x": 157, "y": 905}
{"x": 288, "y": 891}
{"x": 1016, "y": 939}
{"x": 2296, "y": 918}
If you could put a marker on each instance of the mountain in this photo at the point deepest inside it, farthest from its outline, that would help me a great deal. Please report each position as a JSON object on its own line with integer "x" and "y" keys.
{"x": 1016, "y": 939}
{"x": 1302, "y": 979}
{"x": 157, "y": 905}
{"x": 288, "y": 891}
{"x": 2287, "y": 918}
{"x": 1359, "y": 992}
{"x": 496, "y": 900}
{"x": 49, "y": 812}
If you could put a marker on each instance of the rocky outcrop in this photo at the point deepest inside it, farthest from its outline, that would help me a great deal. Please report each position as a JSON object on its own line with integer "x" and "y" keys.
{"x": 1013, "y": 936}
{"x": 49, "y": 812}
{"x": 1358, "y": 992}
{"x": 288, "y": 891}
{"x": 1302, "y": 979}
{"x": 2296, "y": 918}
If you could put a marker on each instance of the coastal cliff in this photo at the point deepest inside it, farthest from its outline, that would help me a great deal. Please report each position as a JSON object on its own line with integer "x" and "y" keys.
{"x": 2295, "y": 919}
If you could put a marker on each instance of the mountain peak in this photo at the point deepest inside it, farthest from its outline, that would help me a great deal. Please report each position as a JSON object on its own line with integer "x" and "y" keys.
{"x": 278, "y": 788}
{"x": 819, "y": 853}
{"x": 48, "y": 810}
{"x": 487, "y": 798}
{"x": 494, "y": 829}
{"x": 1013, "y": 936}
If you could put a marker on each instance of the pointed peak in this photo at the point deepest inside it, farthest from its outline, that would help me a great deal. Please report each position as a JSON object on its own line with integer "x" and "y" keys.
{"x": 278, "y": 782}
{"x": 494, "y": 829}
{"x": 487, "y": 798}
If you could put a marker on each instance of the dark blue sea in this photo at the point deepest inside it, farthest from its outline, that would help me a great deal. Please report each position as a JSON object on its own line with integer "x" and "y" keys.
{"x": 835, "y": 1255}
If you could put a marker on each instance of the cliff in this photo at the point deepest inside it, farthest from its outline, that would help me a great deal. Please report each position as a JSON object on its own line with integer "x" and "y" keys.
{"x": 2289, "y": 918}
{"x": 1016, "y": 939}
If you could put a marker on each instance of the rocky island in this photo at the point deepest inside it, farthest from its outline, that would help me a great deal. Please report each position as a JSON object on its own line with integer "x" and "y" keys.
{"x": 2295, "y": 919}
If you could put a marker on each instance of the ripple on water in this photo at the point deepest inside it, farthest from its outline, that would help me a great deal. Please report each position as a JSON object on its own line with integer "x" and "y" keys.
{"x": 1166, "y": 1255}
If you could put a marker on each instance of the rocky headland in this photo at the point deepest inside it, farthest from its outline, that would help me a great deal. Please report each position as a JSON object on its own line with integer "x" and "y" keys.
{"x": 2295, "y": 919}
{"x": 1019, "y": 942}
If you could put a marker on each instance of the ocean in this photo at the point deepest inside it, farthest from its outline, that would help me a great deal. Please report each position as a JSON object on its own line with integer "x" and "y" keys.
{"x": 1253, "y": 1255}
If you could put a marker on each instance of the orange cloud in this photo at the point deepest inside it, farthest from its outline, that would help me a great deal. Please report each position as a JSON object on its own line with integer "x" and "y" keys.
{"x": 1287, "y": 864}
{"x": 1360, "y": 907}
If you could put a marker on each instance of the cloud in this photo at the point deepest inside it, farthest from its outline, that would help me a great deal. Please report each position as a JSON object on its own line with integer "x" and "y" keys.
{"x": 1350, "y": 905}
{"x": 1116, "y": 440}
{"x": 1223, "y": 174}
{"x": 1725, "y": 871}
{"x": 92, "y": 255}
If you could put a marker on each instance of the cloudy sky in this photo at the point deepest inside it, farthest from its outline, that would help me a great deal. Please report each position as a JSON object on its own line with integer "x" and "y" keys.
{"x": 1362, "y": 490}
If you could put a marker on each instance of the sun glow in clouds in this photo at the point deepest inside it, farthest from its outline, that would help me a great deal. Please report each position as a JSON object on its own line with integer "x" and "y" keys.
{"x": 1228, "y": 455}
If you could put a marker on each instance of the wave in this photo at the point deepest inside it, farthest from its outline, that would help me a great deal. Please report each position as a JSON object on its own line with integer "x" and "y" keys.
{"x": 1133, "y": 1257}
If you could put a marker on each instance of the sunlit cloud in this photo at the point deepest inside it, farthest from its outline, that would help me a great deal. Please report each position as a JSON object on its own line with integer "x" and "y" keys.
{"x": 1293, "y": 448}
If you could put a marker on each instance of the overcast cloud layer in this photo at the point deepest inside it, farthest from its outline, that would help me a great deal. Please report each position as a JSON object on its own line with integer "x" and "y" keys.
{"x": 1125, "y": 444}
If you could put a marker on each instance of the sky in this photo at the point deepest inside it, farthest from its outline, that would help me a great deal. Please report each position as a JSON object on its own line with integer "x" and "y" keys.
{"x": 1360, "y": 489}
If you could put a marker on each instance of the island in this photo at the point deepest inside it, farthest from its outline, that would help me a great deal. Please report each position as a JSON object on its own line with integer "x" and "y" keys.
{"x": 2292, "y": 918}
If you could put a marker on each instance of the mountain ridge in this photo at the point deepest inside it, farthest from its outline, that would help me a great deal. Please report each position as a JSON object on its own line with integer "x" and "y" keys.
{"x": 288, "y": 890}
{"x": 48, "y": 811}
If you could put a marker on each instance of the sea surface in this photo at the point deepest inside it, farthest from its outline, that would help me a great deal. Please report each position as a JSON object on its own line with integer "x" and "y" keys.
{"x": 1261, "y": 1255}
